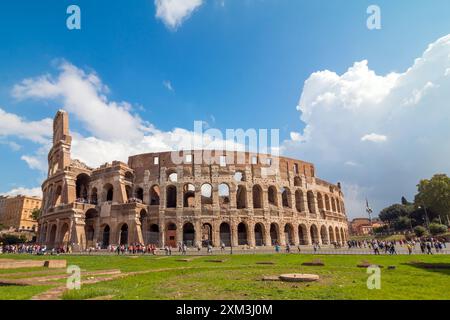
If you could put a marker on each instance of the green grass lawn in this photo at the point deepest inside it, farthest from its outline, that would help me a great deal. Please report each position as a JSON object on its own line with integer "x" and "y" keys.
{"x": 239, "y": 277}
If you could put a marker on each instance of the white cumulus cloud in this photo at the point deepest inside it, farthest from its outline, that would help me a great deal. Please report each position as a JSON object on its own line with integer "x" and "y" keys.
{"x": 174, "y": 12}
{"x": 406, "y": 114}
{"x": 37, "y": 192}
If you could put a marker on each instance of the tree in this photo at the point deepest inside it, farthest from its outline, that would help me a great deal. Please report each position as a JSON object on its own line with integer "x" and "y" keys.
{"x": 434, "y": 194}
{"x": 436, "y": 229}
{"x": 397, "y": 216}
{"x": 36, "y": 213}
{"x": 420, "y": 231}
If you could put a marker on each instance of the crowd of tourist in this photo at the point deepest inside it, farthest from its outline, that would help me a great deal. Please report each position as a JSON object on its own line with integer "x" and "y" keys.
{"x": 426, "y": 245}
{"x": 417, "y": 245}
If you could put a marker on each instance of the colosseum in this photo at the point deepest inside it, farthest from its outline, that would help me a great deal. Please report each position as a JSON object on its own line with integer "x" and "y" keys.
{"x": 217, "y": 200}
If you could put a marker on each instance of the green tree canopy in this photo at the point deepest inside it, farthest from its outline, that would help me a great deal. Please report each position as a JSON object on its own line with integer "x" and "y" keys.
{"x": 393, "y": 213}
{"x": 435, "y": 195}
{"x": 36, "y": 213}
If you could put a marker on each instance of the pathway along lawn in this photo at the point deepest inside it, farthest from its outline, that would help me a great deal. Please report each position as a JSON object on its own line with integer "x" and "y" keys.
{"x": 239, "y": 277}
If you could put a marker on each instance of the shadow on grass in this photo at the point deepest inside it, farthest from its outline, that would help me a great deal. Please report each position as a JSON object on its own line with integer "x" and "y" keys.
{"x": 429, "y": 266}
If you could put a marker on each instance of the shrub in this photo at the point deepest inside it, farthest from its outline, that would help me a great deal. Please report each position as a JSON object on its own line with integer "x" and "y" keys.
{"x": 436, "y": 229}
{"x": 420, "y": 231}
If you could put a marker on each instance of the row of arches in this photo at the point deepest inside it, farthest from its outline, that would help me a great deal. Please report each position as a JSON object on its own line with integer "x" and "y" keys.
{"x": 324, "y": 201}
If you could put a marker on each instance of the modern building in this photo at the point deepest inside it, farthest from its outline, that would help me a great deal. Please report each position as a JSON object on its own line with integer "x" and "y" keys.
{"x": 16, "y": 212}
{"x": 195, "y": 197}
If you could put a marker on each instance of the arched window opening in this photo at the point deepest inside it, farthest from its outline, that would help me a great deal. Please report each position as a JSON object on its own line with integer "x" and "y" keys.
{"x": 286, "y": 197}
{"x": 272, "y": 196}
{"x": 206, "y": 192}
{"x": 108, "y": 192}
{"x": 154, "y": 195}
{"x": 242, "y": 234}
{"x": 259, "y": 234}
{"x": 311, "y": 205}
{"x": 224, "y": 195}
{"x": 257, "y": 197}
{"x": 239, "y": 176}
{"x": 225, "y": 234}
{"x": 274, "y": 234}
{"x": 188, "y": 234}
{"x": 241, "y": 197}
{"x": 189, "y": 196}
{"x": 124, "y": 234}
{"x": 171, "y": 197}
{"x": 299, "y": 204}
{"x": 82, "y": 186}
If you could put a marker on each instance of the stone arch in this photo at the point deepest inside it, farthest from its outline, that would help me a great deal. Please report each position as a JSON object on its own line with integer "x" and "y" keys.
{"x": 82, "y": 187}
{"x": 108, "y": 192}
{"x": 289, "y": 233}
{"x": 314, "y": 232}
{"x": 272, "y": 196}
{"x": 303, "y": 234}
{"x": 311, "y": 204}
{"x": 139, "y": 194}
{"x": 337, "y": 235}
{"x": 207, "y": 234}
{"x": 338, "y": 206}
{"x": 89, "y": 231}
{"x": 324, "y": 235}
{"x": 129, "y": 192}
{"x": 129, "y": 177}
{"x": 286, "y": 197}
{"x": 331, "y": 235}
{"x": 106, "y": 230}
{"x": 122, "y": 231}
{"x": 155, "y": 195}
{"x": 327, "y": 202}
{"x": 171, "y": 234}
{"x": 172, "y": 175}
{"x": 299, "y": 204}
{"x": 189, "y": 195}
{"x": 189, "y": 234}
{"x": 224, "y": 195}
{"x": 57, "y": 199}
{"x": 257, "y": 196}
{"x": 319, "y": 201}
{"x": 297, "y": 181}
{"x": 260, "y": 234}
{"x": 242, "y": 234}
{"x": 64, "y": 235}
{"x": 171, "y": 196}
{"x": 274, "y": 234}
{"x": 206, "y": 192}
{"x": 239, "y": 176}
{"x": 123, "y": 234}
{"x": 89, "y": 219}
{"x": 52, "y": 238}
{"x": 333, "y": 204}
{"x": 225, "y": 234}
{"x": 94, "y": 196}
{"x": 343, "y": 239}
{"x": 241, "y": 197}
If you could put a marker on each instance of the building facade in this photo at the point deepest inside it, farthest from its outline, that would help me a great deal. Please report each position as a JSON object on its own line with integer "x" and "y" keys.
{"x": 194, "y": 197}
{"x": 16, "y": 212}
{"x": 363, "y": 226}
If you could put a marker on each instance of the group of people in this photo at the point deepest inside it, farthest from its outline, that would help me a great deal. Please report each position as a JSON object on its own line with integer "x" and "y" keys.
{"x": 34, "y": 249}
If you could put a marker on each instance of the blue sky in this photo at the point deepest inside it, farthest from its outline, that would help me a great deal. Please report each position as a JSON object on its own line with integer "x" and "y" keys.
{"x": 231, "y": 63}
